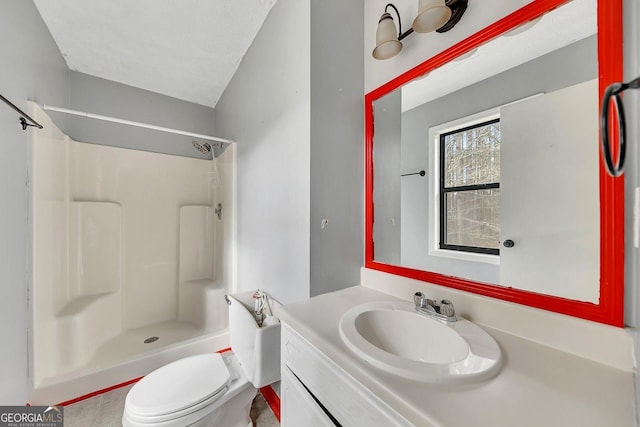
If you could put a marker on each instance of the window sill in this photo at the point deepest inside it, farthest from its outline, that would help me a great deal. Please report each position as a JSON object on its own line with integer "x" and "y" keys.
{"x": 466, "y": 256}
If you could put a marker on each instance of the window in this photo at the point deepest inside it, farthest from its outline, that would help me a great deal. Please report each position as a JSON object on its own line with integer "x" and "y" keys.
{"x": 470, "y": 188}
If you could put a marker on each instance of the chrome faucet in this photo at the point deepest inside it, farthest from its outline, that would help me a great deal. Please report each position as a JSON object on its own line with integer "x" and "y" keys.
{"x": 442, "y": 311}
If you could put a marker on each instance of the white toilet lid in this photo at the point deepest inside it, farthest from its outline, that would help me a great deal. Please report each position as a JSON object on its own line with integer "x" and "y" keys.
{"x": 179, "y": 385}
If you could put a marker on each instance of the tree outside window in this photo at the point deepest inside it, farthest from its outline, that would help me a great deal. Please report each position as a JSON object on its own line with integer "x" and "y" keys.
{"x": 470, "y": 188}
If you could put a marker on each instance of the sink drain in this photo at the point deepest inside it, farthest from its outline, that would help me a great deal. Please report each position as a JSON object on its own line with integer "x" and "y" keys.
{"x": 151, "y": 339}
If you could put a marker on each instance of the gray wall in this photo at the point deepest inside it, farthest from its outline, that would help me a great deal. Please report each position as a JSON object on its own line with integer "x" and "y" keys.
{"x": 108, "y": 98}
{"x": 337, "y": 144}
{"x": 266, "y": 109}
{"x": 632, "y": 173}
{"x": 295, "y": 107}
{"x": 32, "y": 68}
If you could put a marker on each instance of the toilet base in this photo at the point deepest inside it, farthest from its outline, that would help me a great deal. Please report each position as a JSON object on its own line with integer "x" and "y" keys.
{"x": 233, "y": 413}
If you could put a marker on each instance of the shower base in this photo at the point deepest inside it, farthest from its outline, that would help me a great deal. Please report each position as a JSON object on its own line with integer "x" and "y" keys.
{"x": 127, "y": 356}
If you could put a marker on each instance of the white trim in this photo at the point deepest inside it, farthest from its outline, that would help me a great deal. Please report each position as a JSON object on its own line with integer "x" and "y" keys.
{"x": 136, "y": 124}
{"x": 434, "y": 210}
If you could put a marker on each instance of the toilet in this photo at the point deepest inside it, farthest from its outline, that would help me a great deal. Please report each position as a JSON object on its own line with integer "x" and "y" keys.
{"x": 213, "y": 389}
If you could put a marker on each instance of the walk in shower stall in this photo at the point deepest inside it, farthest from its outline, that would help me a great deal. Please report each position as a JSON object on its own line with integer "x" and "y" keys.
{"x": 131, "y": 257}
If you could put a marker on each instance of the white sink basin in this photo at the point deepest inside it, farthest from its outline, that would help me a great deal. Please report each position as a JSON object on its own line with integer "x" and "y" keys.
{"x": 396, "y": 338}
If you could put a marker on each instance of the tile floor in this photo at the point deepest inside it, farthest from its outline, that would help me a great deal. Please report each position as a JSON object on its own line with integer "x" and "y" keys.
{"x": 106, "y": 410}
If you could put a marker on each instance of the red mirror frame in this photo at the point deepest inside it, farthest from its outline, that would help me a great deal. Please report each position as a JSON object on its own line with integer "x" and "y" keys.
{"x": 610, "y": 309}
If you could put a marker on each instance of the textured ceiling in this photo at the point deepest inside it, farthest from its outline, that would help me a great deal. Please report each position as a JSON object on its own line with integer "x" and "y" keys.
{"x": 187, "y": 49}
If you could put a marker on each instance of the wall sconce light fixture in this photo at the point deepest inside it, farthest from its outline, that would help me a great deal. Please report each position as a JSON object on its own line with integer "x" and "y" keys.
{"x": 433, "y": 15}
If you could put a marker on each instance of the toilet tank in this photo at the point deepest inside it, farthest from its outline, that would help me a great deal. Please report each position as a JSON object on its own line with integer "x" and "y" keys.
{"x": 256, "y": 347}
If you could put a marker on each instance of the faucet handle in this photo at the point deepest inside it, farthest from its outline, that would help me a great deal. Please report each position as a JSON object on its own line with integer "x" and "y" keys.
{"x": 447, "y": 309}
{"x": 419, "y": 299}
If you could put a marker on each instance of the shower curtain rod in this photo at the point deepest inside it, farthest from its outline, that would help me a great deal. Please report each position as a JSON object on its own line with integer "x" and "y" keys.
{"x": 137, "y": 124}
{"x": 25, "y": 116}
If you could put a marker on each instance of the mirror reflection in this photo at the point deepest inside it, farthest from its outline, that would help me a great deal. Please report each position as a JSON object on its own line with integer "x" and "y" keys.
{"x": 508, "y": 137}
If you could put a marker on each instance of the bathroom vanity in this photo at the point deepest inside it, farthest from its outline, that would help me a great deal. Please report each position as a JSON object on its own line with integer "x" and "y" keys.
{"x": 552, "y": 298}
{"x": 325, "y": 383}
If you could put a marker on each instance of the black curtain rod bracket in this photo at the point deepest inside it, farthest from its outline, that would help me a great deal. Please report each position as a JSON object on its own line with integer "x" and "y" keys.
{"x": 24, "y": 116}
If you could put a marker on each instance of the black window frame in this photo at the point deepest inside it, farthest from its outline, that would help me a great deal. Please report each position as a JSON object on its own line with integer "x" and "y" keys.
{"x": 444, "y": 190}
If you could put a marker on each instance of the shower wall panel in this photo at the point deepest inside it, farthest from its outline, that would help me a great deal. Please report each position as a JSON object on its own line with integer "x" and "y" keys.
{"x": 196, "y": 243}
{"x": 95, "y": 248}
{"x": 151, "y": 188}
{"x": 200, "y": 296}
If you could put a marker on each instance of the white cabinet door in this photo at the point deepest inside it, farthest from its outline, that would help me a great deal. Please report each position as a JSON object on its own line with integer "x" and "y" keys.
{"x": 348, "y": 401}
{"x": 549, "y": 193}
{"x": 298, "y": 407}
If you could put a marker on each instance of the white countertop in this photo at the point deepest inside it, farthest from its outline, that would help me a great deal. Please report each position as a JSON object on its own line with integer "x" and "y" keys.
{"x": 537, "y": 385}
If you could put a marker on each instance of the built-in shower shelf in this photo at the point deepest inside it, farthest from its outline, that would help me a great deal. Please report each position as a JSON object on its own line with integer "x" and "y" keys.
{"x": 77, "y": 305}
{"x": 202, "y": 302}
